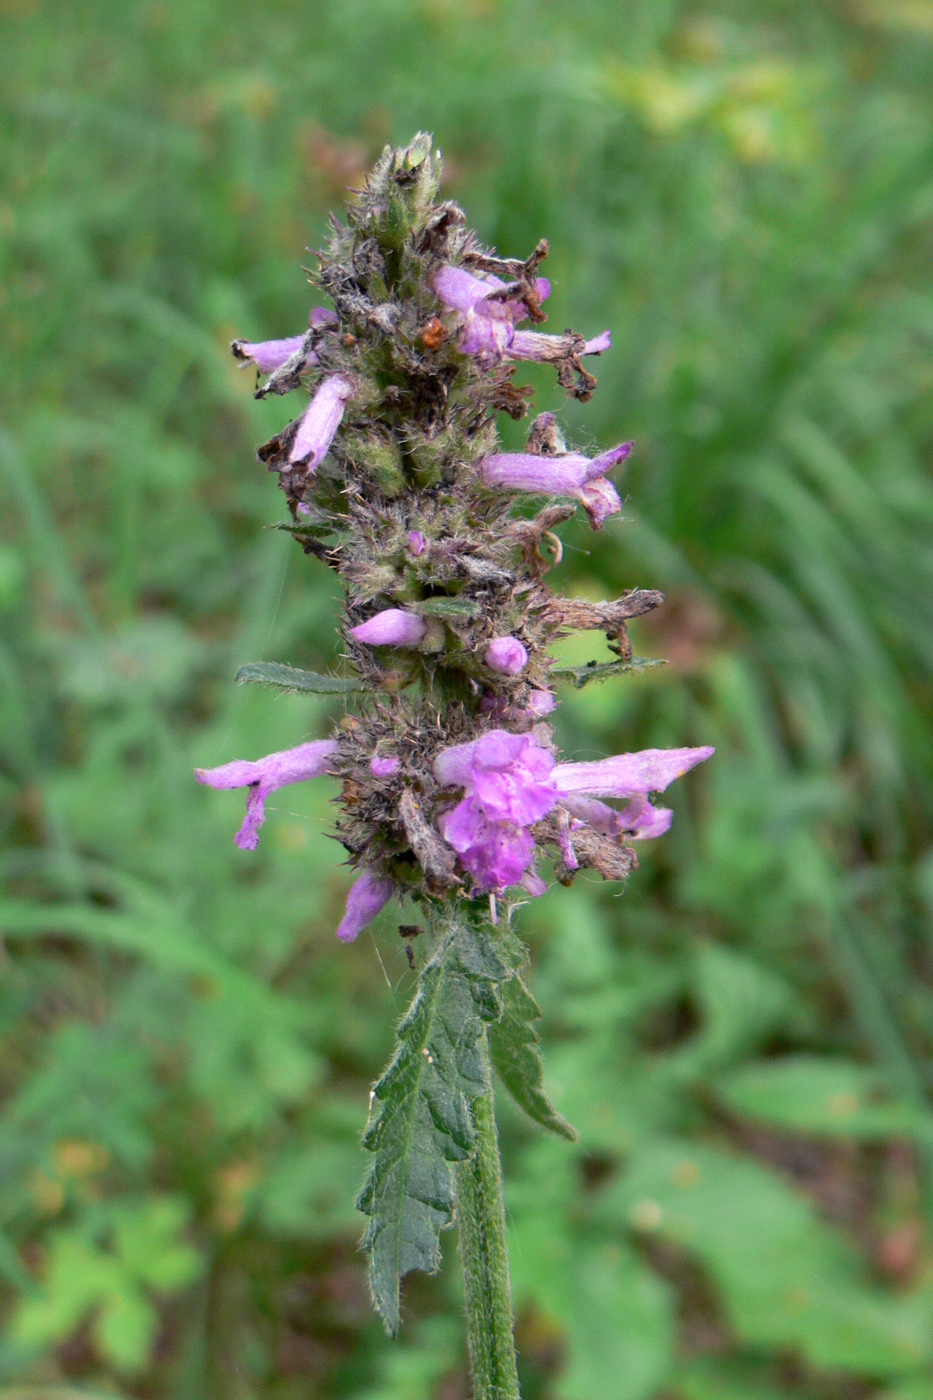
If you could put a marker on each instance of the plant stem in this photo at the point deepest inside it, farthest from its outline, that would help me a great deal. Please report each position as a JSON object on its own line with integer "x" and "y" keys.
{"x": 486, "y": 1287}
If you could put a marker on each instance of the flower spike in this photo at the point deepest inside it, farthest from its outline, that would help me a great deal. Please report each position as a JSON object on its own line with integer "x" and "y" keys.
{"x": 452, "y": 793}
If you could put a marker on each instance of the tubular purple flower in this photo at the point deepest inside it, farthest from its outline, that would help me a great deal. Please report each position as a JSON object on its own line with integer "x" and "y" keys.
{"x": 462, "y": 290}
{"x": 393, "y": 627}
{"x": 638, "y": 821}
{"x": 631, "y": 775}
{"x": 320, "y": 421}
{"x": 264, "y": 776}
{"x": 507, "y": 783}
{"x": 268, "y": 355}
{"x": 488, "y": 321}
{"x": 571, "y": 474}
{"x": 506, "y": 655}
{"x": 417, "y": 543}
{"x": 367, "y": 896}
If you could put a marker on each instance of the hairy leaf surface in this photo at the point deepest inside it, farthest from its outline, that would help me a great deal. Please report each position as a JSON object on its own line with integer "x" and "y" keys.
{"x": 515, "y": 1047}
{"x": 293, "y": 678}
{"x": 579, "y": 676}
{"x": 424, "y": 1122}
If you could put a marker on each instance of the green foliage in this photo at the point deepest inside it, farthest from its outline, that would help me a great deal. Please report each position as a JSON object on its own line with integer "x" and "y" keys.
{"x": 579, "y": 676}
{"x": 293, "y": 678}
{"x": 515, "y": 1048}
{"x": 112, "y": 1283}
{"x": 424, "y": 1121}
{"x": 807, "y": 1094}
{"x": 743, "y": 193}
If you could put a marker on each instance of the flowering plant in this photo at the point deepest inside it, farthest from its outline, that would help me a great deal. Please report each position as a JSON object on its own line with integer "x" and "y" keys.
{"x": 452, "y": 792}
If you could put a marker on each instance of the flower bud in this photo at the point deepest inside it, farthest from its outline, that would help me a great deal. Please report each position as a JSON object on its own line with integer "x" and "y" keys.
{"x": 506, "y": 655}
{"x": 320, "y": 421}
{"x": 367, "y": 896}
{"x": 393, "y": 627}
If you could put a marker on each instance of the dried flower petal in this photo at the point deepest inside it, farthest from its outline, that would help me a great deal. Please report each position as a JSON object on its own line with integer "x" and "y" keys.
{"x": 570, "y": 474}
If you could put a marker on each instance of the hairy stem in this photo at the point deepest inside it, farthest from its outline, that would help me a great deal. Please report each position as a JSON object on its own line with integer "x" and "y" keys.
{"x": 486, "y": 1287}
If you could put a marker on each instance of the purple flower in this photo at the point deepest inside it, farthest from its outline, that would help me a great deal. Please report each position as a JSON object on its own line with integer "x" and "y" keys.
{"x": 506, "y": 655}
{"x": 487, "y": 328}
{"x": 571, "y": 474}
{"x": 393, "y": 627}
{"x": 487, "y": 334}
{"x": 629, "y": 775}
{"x": 384, "y": 765}
{"x": 367, "y": 896}
{"x": 320, "y": 421}
{"x": 507, "y": 785}
{"x": 264, "y": 776}
{"x": 269, "y": 355}
{"x": 463, "y": 291}
{"x": 417, "y": 543}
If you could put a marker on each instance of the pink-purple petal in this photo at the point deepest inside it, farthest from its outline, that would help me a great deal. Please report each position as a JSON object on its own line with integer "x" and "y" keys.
{"x": 628, "y": 774}
{"x": 320, "y": 421}
{"x": 268, "y": 355}
{"x": 506, "y": 655}
{"x": 600, "y": 499}
{"x": 384, "y": 765}
{"x": 391, "y": 627}
{"x": 598, "y": 344}
{"x": 367, "y": 896}
{"x": 265, "y": 775}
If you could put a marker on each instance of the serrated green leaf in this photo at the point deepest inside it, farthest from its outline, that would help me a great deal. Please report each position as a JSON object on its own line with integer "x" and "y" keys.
{"x": 514, "y": 1045}
{"x": 425, "y": 1121}
{"x": 447, "y": 607}
{"x": 292, "y": 678}
{"x": 579, "y": 676}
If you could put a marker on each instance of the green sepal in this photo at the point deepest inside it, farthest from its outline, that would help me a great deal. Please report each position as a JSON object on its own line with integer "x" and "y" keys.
{"x": 425, "y": 1121}
{"x": 291, "y": 678}
{"x": 447, "y": 607}
{"x": 579, "y": 676}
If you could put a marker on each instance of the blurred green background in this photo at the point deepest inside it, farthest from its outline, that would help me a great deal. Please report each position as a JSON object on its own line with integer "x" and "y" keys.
{"x": 744, "y": 192}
